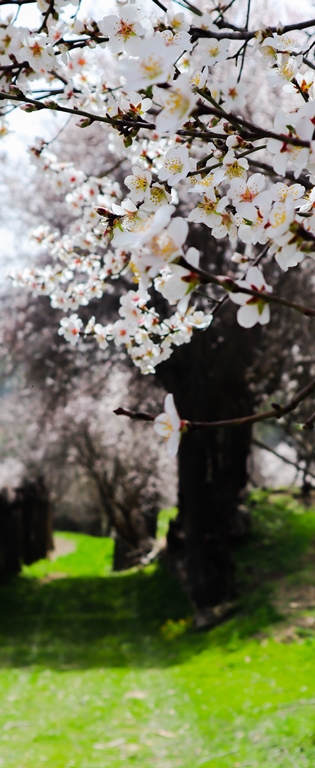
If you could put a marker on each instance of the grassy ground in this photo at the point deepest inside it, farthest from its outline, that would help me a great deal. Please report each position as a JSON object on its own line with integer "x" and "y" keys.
{"x": 101, "y": 670}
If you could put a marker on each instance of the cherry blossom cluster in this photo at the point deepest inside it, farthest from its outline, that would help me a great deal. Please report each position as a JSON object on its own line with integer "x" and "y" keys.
{"x": 167, "y": 88}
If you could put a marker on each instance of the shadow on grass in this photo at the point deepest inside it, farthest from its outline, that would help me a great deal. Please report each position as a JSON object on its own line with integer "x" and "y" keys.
{"x": 282, "y": 532}
{"x": 139, "y": 618}
{"x": 130, "y": 620}
{"x": 92, "y": 621}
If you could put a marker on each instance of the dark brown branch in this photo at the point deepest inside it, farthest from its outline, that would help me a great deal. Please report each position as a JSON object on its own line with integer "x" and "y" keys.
{"x": 244, "y": 34}
{"x": 231, "y": 286}
{"x": 255, "y": 130}
{"x": 139, "y": 415}
{"x": 244, "y": 47}
{"x": 49, "y": 11}
{"x": 125, "y": 122}
{"x": 80, "y": 112}
{"x": 220, "y": 302}
{"x": 308, "y": 63}
{"x": 288, "y": 174}
{"x": 160, "y": 5}
{"x": 275, "y": 412}
{"x": 189, "y": 6}
{"x": 309, "y": 423}
{"x": 17, "y": 2}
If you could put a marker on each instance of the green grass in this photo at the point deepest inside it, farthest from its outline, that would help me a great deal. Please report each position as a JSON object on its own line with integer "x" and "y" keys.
{"x": 164, "y": 518}
{"x": 102, "y": 670}
{"x": 92, "y": 557}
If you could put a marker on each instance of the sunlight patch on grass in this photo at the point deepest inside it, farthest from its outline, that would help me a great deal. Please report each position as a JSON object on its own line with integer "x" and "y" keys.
{"x": 91, "y": 557}
{"x": 164, "y": 518}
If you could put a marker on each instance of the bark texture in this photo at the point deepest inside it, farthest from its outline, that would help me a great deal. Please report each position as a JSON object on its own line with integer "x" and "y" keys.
{"x": 209, "y": 379}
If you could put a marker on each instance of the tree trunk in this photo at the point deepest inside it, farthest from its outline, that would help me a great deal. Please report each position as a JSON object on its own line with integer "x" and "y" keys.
{"x": 209, "y": 381}
{"x": 25, "y": 526}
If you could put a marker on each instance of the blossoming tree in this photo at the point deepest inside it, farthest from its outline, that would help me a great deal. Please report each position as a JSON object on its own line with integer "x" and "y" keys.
{"x": 166, "y": 84}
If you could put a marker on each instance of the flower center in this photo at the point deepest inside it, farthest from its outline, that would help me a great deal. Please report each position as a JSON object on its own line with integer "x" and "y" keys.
{"x": 125, "y": 30}
{"x": 208, "y": 206}
{"x": 139, "y": 182}
{"x": 279, "y": 217}
{"x": 247, "y": 196}
{"x": 234, "y": 170}
{"x": 36, "y": 49}
{"x": 151, "y": 67}
{"x": 214, "y": 50}
{"x": 177, "y": 102}
{"x": 162, "y": 245}
{"x": 157, "y": 194}
{"x": 174, "y": 165}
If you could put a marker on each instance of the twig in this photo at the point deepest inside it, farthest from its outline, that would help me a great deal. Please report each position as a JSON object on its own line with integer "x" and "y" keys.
{"x": 50, "y": 141}
{"x": 275, "y": 412}
{"x": 189, "y": 6}
{"x": 288, "y": 174}
{"x": 309, "y": 423}
{"x": 90, "y": 115}
{"x": 240, "y": 122}
{"x": 231, "y": 286}
{"x": 265, "y": 447}
{"x": 16, "y": 2}
{"x": 245, "y": 44}
{"x": 219, "y": 303}
{"x": 244, "y": 34}
{"x": 138, "y": 415}
{"x": 260, "y": 256}
{"x": 157, "y": 2}
{"x": 308, "y": 63}
{"x": 49, "y": 11}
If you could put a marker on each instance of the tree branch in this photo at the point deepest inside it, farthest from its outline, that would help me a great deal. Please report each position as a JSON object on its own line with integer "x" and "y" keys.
{"x": 80, "y": 112}
{"x": 230, "y": 285}
{"x": 49, "y": 11}
{"x": 265, "y": 447}
{"x": 275, "y": 412}
{"x": 244, "y": 34}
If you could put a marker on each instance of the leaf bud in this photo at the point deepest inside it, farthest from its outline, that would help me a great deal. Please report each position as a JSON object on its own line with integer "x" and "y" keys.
{"x": 84, "y": 122}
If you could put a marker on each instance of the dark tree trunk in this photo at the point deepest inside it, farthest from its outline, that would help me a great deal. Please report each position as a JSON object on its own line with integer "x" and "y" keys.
{"x": 209, "y": 381}
{"x": 36, "y": 521}
{"x": 25, "y": 526}
{"x": 129, "y": 550}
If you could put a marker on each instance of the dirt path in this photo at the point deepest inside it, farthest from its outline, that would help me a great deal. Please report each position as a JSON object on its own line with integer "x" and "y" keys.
{"x": 61, "y": 547}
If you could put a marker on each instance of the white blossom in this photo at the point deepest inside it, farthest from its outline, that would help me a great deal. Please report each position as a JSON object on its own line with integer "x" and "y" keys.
{"x": 253, "y": 309}
{"x": 211, "y": 50}
{"x": 233, "y": 93}
{"x": 152, "y": 65}
{"x": 178, "y": 102}
{"x": 124, "y": 30}
{"x": 70, "y": 328}
{"x": 138, "y": 183}
{"x": 168, "y": 425}
{"x": 176, "y": 165}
